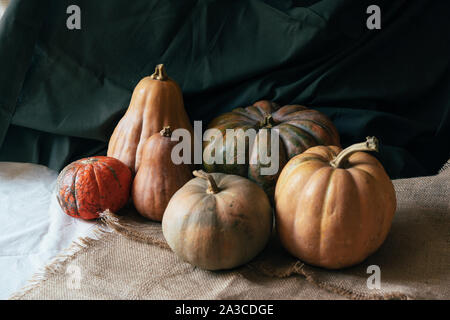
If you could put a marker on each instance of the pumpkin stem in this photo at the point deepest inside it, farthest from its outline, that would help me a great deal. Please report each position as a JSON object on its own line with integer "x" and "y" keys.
{"x": 268, "y": 121}
{"x": 166, "y": 132}
{"x": 371, "y": 144}
{"x": 212, "y": 186}
{"x": 160, "y": 73}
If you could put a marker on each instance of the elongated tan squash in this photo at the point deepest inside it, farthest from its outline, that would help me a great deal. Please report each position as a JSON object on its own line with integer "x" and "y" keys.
{"x": 157, "y": 101}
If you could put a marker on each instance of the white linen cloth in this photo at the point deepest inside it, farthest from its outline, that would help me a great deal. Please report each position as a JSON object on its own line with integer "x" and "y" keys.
{"x": 33, "y": 228}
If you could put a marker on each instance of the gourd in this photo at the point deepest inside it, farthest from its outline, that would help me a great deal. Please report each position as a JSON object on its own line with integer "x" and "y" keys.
{"x": 156, "y": 102}
{"x": 334, "y": 207}
{"x": 158, "y": 178}
{"x": 299, "y": 128}
{"x": 218, "y": 221}
{"x": 87, "y": 187}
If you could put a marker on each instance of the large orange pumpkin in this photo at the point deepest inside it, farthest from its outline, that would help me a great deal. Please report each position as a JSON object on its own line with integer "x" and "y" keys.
{"x": 299, "y": 128}
{"x": 334, "y": 207}
{"x": 158, "y": 178}
{"x": 87, "y": 187}
{"x": 156, "y": 102}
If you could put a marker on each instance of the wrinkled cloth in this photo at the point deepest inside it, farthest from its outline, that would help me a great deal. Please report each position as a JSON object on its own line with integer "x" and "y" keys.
{"x": 135, "y": 262}
{"x": 33, "y": 228}
{"x": 63, "y": 91}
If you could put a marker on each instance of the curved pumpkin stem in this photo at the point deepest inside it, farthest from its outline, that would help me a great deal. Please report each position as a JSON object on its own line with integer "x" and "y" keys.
{"x": 160, "y": 73}
{"x": 371, "y": 144}
{"x": 212, "y": 186}
{"x": 166, "y": 132}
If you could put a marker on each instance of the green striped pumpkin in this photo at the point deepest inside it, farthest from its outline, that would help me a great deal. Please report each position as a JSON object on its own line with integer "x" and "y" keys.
{"x": 299, "y": 129}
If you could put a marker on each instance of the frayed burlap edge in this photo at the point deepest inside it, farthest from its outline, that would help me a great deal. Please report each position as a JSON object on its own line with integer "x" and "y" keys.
{"x": 445, "y": 167}
{"x": 297, "y": 268}
{"x": 58, "y": 263}
{"x": 112, "y": 221}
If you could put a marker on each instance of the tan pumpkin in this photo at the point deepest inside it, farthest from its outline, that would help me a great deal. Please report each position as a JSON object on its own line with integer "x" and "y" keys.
{"x": 156, "y": 102}
{"x": 334, "y": 207}
{"x": 158, "y": 178}
{"x": 218, "y": 221}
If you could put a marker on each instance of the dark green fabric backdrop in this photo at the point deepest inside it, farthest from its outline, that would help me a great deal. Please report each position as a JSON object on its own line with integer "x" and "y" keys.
{"x": 62, "y": 91}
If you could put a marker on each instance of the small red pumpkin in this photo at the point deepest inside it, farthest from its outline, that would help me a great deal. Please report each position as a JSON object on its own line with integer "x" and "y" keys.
{"x": 87, "y": 187}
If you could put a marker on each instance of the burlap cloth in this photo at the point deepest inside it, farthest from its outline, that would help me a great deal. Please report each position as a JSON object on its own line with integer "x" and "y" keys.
{"x": 134, "y": 261}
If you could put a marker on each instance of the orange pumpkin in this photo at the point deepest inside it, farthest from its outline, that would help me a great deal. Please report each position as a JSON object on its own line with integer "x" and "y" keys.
{"x": 157, "y": 101}
{"x": 334, "y": 207}
{"x": 158, "y": 178}
{"x": 87, "y": 187}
